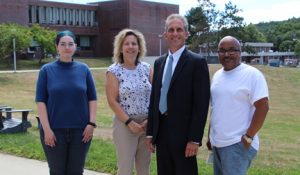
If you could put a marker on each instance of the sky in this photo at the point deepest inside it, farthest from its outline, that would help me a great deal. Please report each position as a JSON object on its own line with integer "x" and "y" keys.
{"x": 253, "y": 11}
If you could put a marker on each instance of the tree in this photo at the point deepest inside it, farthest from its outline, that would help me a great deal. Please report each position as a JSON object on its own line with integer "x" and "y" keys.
{"x": 45, "y": 38}
{"x": 230, "y": 23}
{"x": 297, "y": 49}
{"x": 208, "y": 25}
{"x": 252, "y": 34}
{"x": 202, "y": 20}
{"x": 197, "y": 25}
{"x": 281, "y": 32}
{"x": 10, "y": 31}
{"x": 249, "y": 49}
{"x": 286, "y": 45}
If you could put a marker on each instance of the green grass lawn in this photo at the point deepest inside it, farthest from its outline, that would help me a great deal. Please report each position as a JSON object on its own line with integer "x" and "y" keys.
{"x": 279, "y": 138}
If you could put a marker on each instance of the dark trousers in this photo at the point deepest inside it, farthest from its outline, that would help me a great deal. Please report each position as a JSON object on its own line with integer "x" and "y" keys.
{"x": 68, "y": 156}
{"x": 170, "y": 155}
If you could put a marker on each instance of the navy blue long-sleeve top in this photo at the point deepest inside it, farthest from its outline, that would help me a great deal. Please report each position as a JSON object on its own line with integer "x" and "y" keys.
{"x": 66, "y": 89}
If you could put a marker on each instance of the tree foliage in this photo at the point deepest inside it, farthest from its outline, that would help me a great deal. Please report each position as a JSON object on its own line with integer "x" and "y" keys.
{"x": 10, "y": 31}
{"x": 230, "y": 23}
{"x": 208, "y": 25}
{"x": 45, "y": 38}
{"x": 284, "y": 34}
{"x": 252, "y": 34}
{"x": 202, "y": 21}
{"x": 24, "y": 36}
{"x": 297, "y": 49}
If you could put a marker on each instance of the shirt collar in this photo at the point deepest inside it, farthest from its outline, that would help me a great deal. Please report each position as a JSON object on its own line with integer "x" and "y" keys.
{"x": 177, "y": 54}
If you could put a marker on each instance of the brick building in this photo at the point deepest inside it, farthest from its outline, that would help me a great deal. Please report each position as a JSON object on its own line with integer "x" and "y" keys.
{"x": 94, "y": 24}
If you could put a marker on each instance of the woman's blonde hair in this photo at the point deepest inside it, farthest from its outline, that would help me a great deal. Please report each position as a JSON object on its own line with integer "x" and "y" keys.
{"x": 119, "y": 40}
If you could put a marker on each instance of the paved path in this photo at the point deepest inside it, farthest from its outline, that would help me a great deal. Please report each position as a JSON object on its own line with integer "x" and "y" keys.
{"x": 12, "y": 165}
{"x": 148, "y": 59}
{"x": 24, "y": 71}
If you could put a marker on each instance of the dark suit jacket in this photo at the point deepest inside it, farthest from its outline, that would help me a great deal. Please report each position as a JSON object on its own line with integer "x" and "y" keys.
{"x": 187, "y": 99}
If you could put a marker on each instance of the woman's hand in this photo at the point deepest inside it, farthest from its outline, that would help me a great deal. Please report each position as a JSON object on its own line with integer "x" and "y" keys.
{"x": 144, "y": 125}
{"x": 136, "y": 128}
{"x": 49, "y": 138}
{"x": 88, "y": 133}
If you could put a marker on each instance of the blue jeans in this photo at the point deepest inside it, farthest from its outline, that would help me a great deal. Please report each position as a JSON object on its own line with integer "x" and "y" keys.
{"x": 68, "y": 155}
{"x": 233, "y": 160}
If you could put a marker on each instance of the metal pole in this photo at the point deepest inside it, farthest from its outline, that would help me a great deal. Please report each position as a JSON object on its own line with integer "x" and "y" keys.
{"x": 159, "y": 46}
{"x": 15, "y": 61}
{"x": 159, "y": 36}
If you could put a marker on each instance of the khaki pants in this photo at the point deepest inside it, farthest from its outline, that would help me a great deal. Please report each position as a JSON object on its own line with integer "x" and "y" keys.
{"x": 131, "y": 150}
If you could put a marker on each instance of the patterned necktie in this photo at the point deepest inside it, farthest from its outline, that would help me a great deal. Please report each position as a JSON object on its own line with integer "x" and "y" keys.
{"x": 165, "y": 87}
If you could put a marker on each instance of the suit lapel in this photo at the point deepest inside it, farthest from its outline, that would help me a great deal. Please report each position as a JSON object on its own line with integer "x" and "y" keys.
{"x": 161, "y": 70}
{"x": 182, "y": 60}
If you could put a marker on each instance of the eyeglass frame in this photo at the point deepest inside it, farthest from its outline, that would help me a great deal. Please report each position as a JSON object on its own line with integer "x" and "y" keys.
{"x": 230, "y": 51}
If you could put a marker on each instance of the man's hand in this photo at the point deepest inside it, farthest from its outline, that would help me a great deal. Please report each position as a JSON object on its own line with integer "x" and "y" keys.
{"x": 150, "y": 145}
{"x": 191, "y": 149}
{"x": 208, "y": 145}
{"x": 245, "y": 143}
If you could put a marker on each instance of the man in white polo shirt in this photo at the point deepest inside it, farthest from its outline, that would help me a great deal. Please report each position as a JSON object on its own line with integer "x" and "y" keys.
{"x": 239, "y": 101}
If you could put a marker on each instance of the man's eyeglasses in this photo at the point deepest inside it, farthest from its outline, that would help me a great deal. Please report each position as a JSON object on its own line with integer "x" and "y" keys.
{"x": 229, "y": 51}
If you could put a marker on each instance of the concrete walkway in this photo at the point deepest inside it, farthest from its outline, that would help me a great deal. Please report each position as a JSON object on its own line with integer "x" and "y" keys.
{"x": 148, "y": 59}
{"x": 12, "y": 165}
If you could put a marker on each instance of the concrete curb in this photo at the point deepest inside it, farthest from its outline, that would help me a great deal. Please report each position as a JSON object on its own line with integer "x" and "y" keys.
{"x": 13, "y": 165}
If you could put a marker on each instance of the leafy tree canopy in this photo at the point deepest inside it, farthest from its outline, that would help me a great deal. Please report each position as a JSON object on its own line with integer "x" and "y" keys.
{"x": 284, "y": 34}
{"x": 10, "y": 31}
{"x": 24, "y": 36}
{"x": 297, "y": 49}
{"x": 208, "y": 26}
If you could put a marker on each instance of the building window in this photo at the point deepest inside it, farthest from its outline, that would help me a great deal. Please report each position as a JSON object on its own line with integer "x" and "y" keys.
{"x": 29, "y": 14}
{"x": 32, "y": 17}
{"x": 64, "y": 17}
{"x": 82, "y": 18}
{"x": 84, "y": 43}
{"x": 71, "y": 16}
{"x": 57, "y": 15}
{"x": 89, "y": 18}
{"x": 44, "y": 12}
{"x": 37, "y": 14}
{"x": 61, "y": 16}
{"x": 77, "y": 17}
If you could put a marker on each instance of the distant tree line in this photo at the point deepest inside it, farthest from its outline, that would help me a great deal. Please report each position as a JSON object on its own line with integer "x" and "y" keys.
{"x": 207, "y": 26}
{"x": 24, "y": 37}
{"x": 284, "y": 34}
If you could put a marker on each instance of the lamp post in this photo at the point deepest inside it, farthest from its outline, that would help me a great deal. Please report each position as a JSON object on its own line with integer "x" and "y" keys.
{"x": 14, "y": 47}
{"x": 15, "y": 61}
{"x": 160, "y": 36}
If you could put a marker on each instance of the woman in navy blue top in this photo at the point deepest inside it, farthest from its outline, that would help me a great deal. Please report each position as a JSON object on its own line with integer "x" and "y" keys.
{"x": 66, "y": 102}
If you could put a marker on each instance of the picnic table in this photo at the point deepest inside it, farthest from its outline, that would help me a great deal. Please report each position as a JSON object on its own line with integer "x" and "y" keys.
{"x": 10, "y": 124}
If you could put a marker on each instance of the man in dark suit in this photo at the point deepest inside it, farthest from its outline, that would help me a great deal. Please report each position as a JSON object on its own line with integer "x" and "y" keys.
{"x": 178, "y": 107}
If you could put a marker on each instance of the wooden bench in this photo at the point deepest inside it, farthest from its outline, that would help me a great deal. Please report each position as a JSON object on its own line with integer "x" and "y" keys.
{"x": 14, "y": 125}
{"x": 3, "y": 107}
